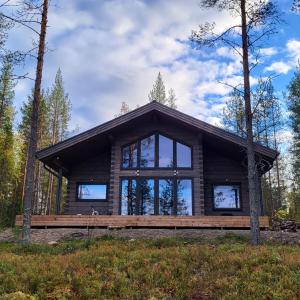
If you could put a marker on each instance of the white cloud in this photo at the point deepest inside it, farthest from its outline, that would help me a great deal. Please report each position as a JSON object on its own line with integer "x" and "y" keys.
{"x": 268, "y": 51}
{"x": 293, "y": 48}
{"x": 111, "y": 51}
{"x": 279, "y": 67}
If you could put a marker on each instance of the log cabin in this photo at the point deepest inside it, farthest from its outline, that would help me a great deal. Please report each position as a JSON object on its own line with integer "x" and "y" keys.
{"x": 154, "y": 166}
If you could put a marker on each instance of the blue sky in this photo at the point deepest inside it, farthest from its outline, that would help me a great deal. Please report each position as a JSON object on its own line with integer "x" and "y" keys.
{"x": 112, "y": 51}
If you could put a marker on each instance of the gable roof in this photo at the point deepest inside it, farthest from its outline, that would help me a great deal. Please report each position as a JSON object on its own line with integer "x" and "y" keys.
{"x": 139, "y": 112}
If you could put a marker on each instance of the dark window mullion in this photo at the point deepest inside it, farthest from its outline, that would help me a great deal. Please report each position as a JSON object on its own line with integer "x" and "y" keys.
{"x": 138, "y": 163}
{"x": 174, "y": 155}
{"x": 156, "y": 151}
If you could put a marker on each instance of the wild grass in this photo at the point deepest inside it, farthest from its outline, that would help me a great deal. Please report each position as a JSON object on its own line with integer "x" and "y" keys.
{"x": 167, "y": 268}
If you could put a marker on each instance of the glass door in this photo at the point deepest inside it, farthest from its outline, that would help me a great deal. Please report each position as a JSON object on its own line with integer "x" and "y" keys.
{"x": 156, "y": 196}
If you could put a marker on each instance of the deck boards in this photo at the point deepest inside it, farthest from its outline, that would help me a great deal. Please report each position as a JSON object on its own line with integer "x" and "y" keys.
{"x": 142, "y": 221}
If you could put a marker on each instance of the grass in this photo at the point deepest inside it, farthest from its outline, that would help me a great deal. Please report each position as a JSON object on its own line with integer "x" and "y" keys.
{"x": 167, "y": 268}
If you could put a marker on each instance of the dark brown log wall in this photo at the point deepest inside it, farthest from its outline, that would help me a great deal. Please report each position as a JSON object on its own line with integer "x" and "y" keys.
{"x": 96, "y": 169}
{"x": 219, "y": 168}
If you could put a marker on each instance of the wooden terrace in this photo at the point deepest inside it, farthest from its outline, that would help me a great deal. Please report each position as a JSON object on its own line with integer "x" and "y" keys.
{"x": 116, "y": 221}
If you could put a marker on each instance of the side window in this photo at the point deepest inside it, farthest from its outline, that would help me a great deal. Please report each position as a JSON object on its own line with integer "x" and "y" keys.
{"x": 226, "y": 196}
{"x": 91, "y": 192}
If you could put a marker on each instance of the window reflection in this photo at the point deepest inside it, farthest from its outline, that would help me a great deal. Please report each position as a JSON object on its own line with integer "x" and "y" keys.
{"x": 163, "y": 155}
{"x": 91, "y": 191}
{"x": 147, "y": 196}
{"x": 165, "y": 152}
{"x": 226, "y": 196}
{"x": 166, "y": 197}
{"x": 128, "y": 197}
{"x": 184, "y": 156}
{"x": 130, "y": 156}
{"x": 147, "y": 152}
{"x": 184, "y": 197}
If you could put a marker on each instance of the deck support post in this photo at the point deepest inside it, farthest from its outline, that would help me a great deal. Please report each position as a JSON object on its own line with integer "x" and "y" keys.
{"x": 58, "y": 191}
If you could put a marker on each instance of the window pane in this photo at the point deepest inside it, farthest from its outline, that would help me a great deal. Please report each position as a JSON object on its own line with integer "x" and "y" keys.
{"x": 165, "y": 195}
{"x": 129, "y": 156}
{"x": 128, "y": 197}
{"x": 227, "y": 196}
{"x": 147, "y": 152}
{"x": 147, "y": 196}
{"x": 184, "y": 197}
{"x": 184, "y": 156}
{"x": 165, "y": 152}
{"x": 91, "y": 191}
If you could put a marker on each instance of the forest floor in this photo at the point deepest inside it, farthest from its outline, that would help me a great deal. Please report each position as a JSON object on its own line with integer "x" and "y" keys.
{"x": 45, "y": 236}
{"x": 195, "y": 264}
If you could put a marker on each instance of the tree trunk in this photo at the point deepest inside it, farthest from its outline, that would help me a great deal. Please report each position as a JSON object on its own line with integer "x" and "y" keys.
{"x": 253, "y": 193}
{"x": 29, "y": 182}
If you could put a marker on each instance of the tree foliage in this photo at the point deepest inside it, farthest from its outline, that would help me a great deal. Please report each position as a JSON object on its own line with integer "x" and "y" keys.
{"x": 158, "y": 93}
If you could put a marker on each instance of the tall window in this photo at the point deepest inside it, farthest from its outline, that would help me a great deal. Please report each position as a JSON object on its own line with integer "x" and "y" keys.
{"x": 165, "y": 150}
{"x": 163, "y": 196}
{"x": 128, "y": 197}
{"x": 184, "y": 197}
{"x": 166, "y": 196}
{"x": 156, "y": 151}
{"x": 184, "y": 156}
{"x": 226, "y": 196}
{"x": 147, "y": 196}
{"x": 148, "y": 152}
{"x": 130, "y": 156}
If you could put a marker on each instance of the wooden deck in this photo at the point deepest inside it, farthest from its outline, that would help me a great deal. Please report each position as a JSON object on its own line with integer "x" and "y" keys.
{"x": 115, "y": 221}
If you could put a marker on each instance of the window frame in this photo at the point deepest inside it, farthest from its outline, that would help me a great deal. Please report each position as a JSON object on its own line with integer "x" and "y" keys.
{"x": 156, "y": 152}
{"x": 156, "y": 192}
{"x": 227, "y": 184}
{"x": 92, "y": 183}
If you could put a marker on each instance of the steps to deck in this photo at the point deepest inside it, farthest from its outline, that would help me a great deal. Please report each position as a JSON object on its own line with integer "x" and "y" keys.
{"x": 116, "y": 221}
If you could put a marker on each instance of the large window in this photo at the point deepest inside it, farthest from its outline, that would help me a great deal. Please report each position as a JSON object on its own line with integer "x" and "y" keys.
{"x": 147, "y": 196}
{"x": 226, "y": 196}
{"x": 91, "y": 192}
{"x": 156, "y": 151}
{"x": 165, "y": 152}
{"x": 128, "y": 197}
{"x": 130, "y": 156}
{"x": 147, "y": 152}
{"x": 166, "y": 196}
{"x": 184, "y": 197}
{"x": 163, "y": 196}
{"x": 184, "y": 156}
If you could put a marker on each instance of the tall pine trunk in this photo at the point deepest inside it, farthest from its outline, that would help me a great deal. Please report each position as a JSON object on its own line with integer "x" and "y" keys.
{"x": 29, "y": 182}
{"x": 253, "y": 193}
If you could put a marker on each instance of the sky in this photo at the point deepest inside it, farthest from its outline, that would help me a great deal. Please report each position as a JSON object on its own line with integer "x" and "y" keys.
{"x": 111, "y": 51}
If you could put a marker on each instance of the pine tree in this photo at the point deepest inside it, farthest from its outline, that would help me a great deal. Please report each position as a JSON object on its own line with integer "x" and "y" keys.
{"x": 171, "y": 100}
{"x": 7, "y": 163}
{"x": 33, "y": 137}
{"x": 123, "y": 110}
{"x": 254, "y": 21}
{"x": 158, "y": 92}
{"x": 58, "y": 117}
{"x": 294, "y": 109}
